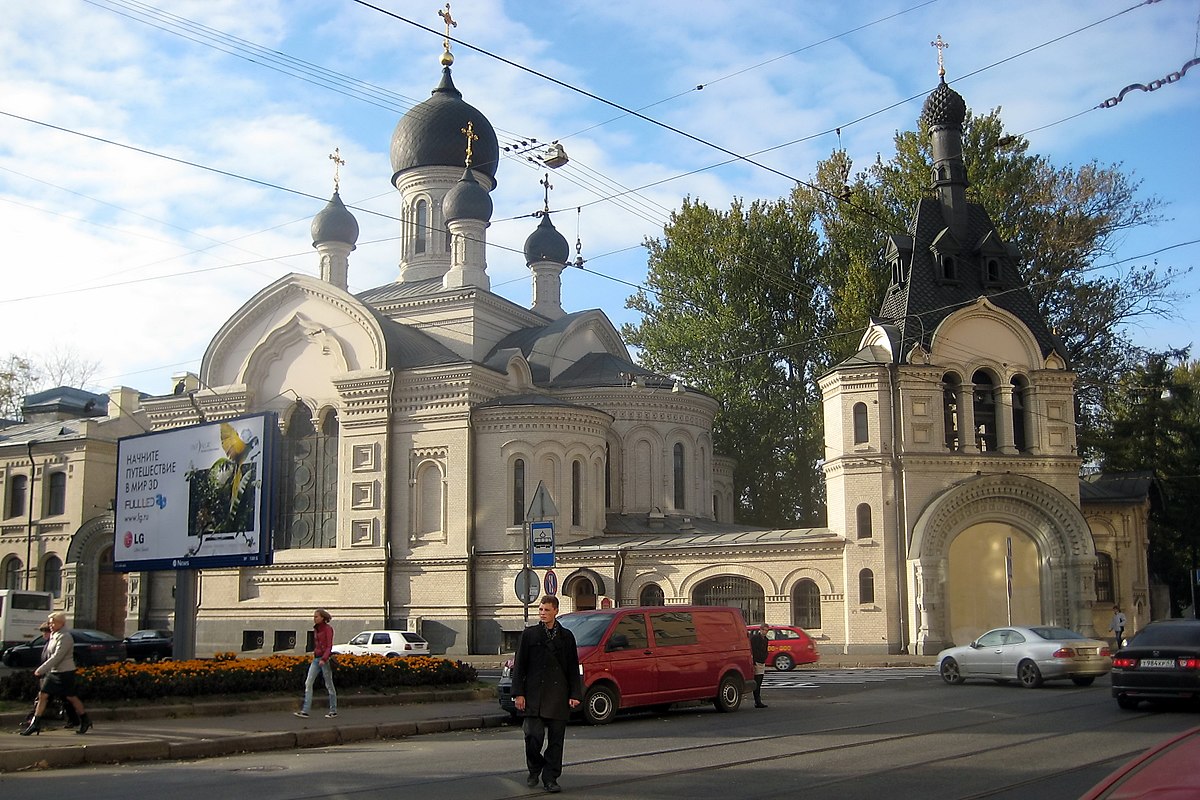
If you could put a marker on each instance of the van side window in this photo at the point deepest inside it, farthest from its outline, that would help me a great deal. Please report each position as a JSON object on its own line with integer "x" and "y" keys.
{"x": 673, "y": 627}
{"x": 633, "y": 629}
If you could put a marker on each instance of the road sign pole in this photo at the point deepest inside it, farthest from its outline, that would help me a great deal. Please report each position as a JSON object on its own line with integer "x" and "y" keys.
{"x": 525, "y": 565}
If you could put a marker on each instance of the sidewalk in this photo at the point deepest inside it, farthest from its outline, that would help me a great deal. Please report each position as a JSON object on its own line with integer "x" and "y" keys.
{"x": 216, "y": 728}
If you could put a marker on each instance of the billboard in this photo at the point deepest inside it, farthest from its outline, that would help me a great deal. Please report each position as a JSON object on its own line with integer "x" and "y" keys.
{"x": 196, "y": 497}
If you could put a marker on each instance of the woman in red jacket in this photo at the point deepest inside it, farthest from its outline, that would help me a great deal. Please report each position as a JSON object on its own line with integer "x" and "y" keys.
{"x": 322, "y": 653}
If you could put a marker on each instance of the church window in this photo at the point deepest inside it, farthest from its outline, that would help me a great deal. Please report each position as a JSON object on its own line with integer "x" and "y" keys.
{"x": 717, "y": 508}
{"x": 518, "y": 496}
{"x": 17, "y": 489}
{"x": 1104, "y": 578}
{"x": 948, "y": 267}
{"x": 429, "y": 500}
{"x": 607, "y": 476}
{"x": 52, "y": 575}
{"x": 985, "y": 412}
{"x": 643, "y": 475}
{"x": 735, "y": 591}
{"x": 56, "y": 499}
{"x": 308, "y": 487}
{"x": 12, "y": 573}
{"x": 806, "y": 605}
{"x": 950, "y": 398}
{"x": 866, "y": 587}
{"x": 863, "y": 518}
{"x": 677, "y": 465}
{"x": 652, "y": 595}
{"x": 449, "y": 239}
{"x": 993, "y": 271}
{"x": 861, "y": 432}
{"x": 1020, "y": 405}
{"x": 576, "y": 492}
{"x": 897, "y": 272}
{"x": 422, "y": 226}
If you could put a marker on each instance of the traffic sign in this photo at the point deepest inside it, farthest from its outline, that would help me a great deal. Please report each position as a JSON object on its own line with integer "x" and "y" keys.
{"x": 542, "y": 505}
{"x": 550, "y": 582}
{"x": 527, "y": 586}
{"x": 541, "y": 538}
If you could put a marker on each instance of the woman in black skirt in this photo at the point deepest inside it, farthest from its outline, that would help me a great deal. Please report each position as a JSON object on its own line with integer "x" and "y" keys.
{"x": 57, "y": 672}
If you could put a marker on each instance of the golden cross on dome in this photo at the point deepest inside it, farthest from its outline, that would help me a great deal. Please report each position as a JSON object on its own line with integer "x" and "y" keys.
{"x": 472, "y": 136}
{"x": 338, "y": 162}
{"x": 450, "y": 23}
{"x": 545, "y": 182}
{"x": 940, "y": 45}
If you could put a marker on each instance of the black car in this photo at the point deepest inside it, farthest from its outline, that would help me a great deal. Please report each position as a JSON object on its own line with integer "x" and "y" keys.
{"x": 92, "y": 648}
{"x": 150, "y": 645}
{"x": 1162, "y": 662}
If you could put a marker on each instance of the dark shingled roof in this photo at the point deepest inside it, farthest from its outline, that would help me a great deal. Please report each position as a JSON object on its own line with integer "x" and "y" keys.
{"x": 408, "y": 347}
{"x": 1119, "y": 487}
{"x": 430, "y": 134}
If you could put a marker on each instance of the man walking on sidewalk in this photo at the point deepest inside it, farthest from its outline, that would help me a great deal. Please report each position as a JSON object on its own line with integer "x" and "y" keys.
{"x": 321, "y": 662}
{"x": 546, "y": 685}
{"x": 758, "y": 651}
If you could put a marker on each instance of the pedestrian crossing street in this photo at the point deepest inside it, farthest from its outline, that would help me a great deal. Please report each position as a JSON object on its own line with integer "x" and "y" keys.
{"x": 813, "y": 679}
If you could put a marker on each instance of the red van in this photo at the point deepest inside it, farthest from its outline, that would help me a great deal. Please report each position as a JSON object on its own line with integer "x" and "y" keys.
{"x": 656, "y": 656}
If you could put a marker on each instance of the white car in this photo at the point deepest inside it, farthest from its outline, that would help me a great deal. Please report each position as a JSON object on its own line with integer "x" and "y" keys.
{"x": 384, "y": 643}
{"x": 1030, "y": 655}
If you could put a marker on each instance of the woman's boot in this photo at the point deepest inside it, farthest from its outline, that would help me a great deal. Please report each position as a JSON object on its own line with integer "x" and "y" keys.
{"x": 34, "y": 727}
{"x": 85, "y": 724}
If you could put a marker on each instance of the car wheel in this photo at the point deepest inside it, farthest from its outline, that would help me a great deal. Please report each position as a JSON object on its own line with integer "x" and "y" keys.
{"x": 600, "y": 705}
{"x": 1088, "y": 681}
{"x": 784, "y": 662}
{"x": 729, "y": 694}
{"x": 950, "y": 672}
{"x": 1126, "y": 702}
{"x": 1029, "y": 674}
{"x": 393, "y": 655}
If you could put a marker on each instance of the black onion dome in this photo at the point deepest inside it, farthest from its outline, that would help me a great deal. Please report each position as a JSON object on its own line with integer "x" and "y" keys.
{"x": 335, "y": 223}
{"x": 945, "y": 108}
{"x": 467, "y": 200}
{"x": 430, "y": 134}
{"x": 546, "y": 244}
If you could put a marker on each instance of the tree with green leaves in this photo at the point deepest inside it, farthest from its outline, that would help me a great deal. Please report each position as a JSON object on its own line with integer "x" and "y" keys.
{"x": 752, "y": 304}
{"x": 21, "y": 375}
{"x": 18, "y": 377}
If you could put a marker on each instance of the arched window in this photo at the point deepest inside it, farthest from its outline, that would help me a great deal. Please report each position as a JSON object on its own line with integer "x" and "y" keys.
{"x": 993, "y": 271}
{"x": 677, "y": 468}
{"x": 863, "y": 514}
{"x": 308, "y": 488}
{"x": 806, "y": 605}
{"x": 1020, "y": 405}
{"x": 861, "y": 433}
{"x": 429, "y": 503}
{"x": 12, "y": 573}
{"x": 56, "y": 494}
{"x": 17, "y": 489}
{"x": 736, "y": 592}
{"x": 576, "y": 492}
{"x": 866, "y": 587}
{"x": 419, "y": 242}
{"x": 717, "y": 507}
{"x": 985, "y": 411}
{"x": 652, "y": 595}
{"x": 518, "y": 489}
{"x": 1104, "y": 578}
{"x": 607, "y": 476}
{"x": 52, "y": 575}
{"x": 951, "y": 387}
{"x": 949, "y": 269}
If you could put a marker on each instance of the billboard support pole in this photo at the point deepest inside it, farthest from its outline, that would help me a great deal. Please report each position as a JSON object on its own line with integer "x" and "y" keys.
{"x": 184, "y": 647}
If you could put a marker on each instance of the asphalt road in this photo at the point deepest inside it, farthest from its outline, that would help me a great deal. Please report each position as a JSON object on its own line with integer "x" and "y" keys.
{"x": 900, "y": 734}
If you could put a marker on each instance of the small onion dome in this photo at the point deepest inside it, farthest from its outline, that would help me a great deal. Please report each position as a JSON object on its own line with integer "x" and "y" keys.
{"x": 335, "y": 223}
{"x": 945, "y": 108}
{"x": 546, "y": 244}
{"x": 467, "y": 200}
{"x": 430, "y": 134}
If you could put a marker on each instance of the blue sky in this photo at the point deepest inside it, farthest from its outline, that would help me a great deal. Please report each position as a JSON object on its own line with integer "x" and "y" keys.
{"x": 134, "y": 261}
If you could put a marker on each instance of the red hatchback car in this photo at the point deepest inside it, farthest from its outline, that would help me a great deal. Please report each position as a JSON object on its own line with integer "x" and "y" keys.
{"x": 788, "y": 646}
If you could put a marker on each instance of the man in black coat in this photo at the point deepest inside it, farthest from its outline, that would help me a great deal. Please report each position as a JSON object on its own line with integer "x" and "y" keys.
{"x": 546, "y": 686}
{"x": 758, "y": 651}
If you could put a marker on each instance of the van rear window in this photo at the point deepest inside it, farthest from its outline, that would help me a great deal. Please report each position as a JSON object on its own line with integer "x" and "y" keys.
{"x": 30, "y": 602}
{"x": 673, "y": 628}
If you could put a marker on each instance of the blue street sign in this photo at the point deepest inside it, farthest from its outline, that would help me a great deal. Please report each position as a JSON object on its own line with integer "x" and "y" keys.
{"x": 541, "y": 552}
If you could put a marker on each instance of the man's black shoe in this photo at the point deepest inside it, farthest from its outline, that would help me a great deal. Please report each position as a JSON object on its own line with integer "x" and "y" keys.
{"x": 760, "y": 705}
{"x": 533, "y": 779}
{"x": 552, "y": 786}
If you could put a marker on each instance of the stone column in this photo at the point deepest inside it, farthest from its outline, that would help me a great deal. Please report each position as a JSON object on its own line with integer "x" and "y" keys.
{"x": 1004, "y": 420}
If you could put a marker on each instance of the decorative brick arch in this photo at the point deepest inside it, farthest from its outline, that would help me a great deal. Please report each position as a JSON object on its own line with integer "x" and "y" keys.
{"x": 1066, "y": 549}
{"x": 761, "y": 577}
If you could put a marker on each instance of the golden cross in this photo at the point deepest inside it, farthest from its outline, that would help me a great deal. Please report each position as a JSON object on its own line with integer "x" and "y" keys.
{"x": 546, "y": 192}
{"x": 338, "y": 162}
{"x": 450, "y": 23}
{"x": 472, "y": 136}
{"x": 940, "y": 45}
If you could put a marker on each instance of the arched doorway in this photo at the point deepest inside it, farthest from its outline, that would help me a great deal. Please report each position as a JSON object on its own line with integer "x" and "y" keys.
{"x": 978, "y": 587}
{"x": 111, "y": 591}
{"x": 734, "y": 591}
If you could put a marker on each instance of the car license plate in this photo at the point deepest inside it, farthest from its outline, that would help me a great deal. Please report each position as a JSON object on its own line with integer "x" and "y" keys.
{"x": 1157, "y": 663}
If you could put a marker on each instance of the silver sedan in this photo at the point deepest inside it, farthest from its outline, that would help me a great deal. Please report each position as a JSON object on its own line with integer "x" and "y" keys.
{"x": 1030, "y": 655}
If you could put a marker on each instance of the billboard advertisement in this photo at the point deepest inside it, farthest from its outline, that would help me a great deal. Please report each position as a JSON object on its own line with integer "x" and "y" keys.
{"x": 195, "y": 497}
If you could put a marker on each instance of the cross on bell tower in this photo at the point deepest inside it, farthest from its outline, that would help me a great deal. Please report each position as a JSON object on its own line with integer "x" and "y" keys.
{"x": 338, "y": 163}
{"x": 447, "y": 56}
{"x": 941, "y": 46}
